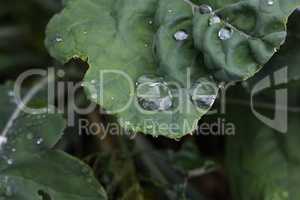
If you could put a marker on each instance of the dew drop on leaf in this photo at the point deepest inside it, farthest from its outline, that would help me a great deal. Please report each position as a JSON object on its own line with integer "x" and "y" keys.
{"x": 153, "y": 94}
{"x": 58, "y": 39}
{"x": 214, "y": 20}
{"x": 181, "y": 35}
{"x": 39, "y": 141}
{"x": 3, "y": 140}
{"x": 10, "y": 161}
{"x": 203, "y": 93}
{"x": 205, "y": 9}
{"x": 225, "y": 33}
{"x": 270, "y": 2}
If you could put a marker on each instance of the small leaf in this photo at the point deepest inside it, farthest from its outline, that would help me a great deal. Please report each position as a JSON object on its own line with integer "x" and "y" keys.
{"x": 51, "y": 174}
{"x": 29, "y": 170}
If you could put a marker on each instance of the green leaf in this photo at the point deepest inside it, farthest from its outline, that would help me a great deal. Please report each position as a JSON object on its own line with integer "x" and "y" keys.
{"x": 138, "y": 38}
{"x": 29, "y": 170}
{"x": 118, "y": 35}
{"x": 50, "y": 175}
{"x": 254, "y": 31}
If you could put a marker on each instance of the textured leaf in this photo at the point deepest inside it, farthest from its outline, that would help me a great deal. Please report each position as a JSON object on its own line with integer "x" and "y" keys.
{"x": 256, "y": 28}
{"x": 29, "y": 170}
{"x": 50, "y": 175}
{"x": 83, "y": 30}
{"x": 264, "y": 164}
{"x": 139, "y": 38}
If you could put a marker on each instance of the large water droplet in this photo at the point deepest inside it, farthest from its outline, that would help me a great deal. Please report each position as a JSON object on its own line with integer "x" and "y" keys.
{"x": 181, "y": 35}
{"x": 225, "y": 33}
{"x": 205, "y": 9}
{"x": 214, "y": 20}
{"x": 203, "y": 93}
{"x": 153, "y": 93}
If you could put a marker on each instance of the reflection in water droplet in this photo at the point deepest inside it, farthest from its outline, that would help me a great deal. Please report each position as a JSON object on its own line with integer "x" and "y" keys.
{"x": 214, "y": 20}
{"x": 153, "y": 94}
{"x": 205, "y": 9}
{"x": 58, "y": 39}
{"x": 10, "y": 161}
{"x": 203, "y": 93}
{"x": 3, "y": 140}
{"x": 39, "y": 141}
{"x": 270, "y": 2}
{"x": 13, "y": 150}
{"x": 181, "y": 35}
{"x": 225, "y": 33}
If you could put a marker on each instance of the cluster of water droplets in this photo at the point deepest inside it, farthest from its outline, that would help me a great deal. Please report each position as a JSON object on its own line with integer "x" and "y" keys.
{"x": 153, "y": 93}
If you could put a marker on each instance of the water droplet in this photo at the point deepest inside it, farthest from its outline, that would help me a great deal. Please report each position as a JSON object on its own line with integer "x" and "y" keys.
{"x": 13, "y": 150}
{"x": 39, "y": 141}
{"x": 10, "y": 161}
{"x": 150, "y": 22}
{"x": 270, "y": 2}
{"x": 203, "y": 93}
{"x": 3, "y": 141}
{"x": 153, "y": 93}
{"x": 58, "y": 39}
{"x": 214, "y": 20}
{"x": 181, "y": 35}
{"x": 225, "y": 33}
{"x": 170, "y": 11}
{"x": 205, "y": 9}
{"x": 84, "y": 32}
